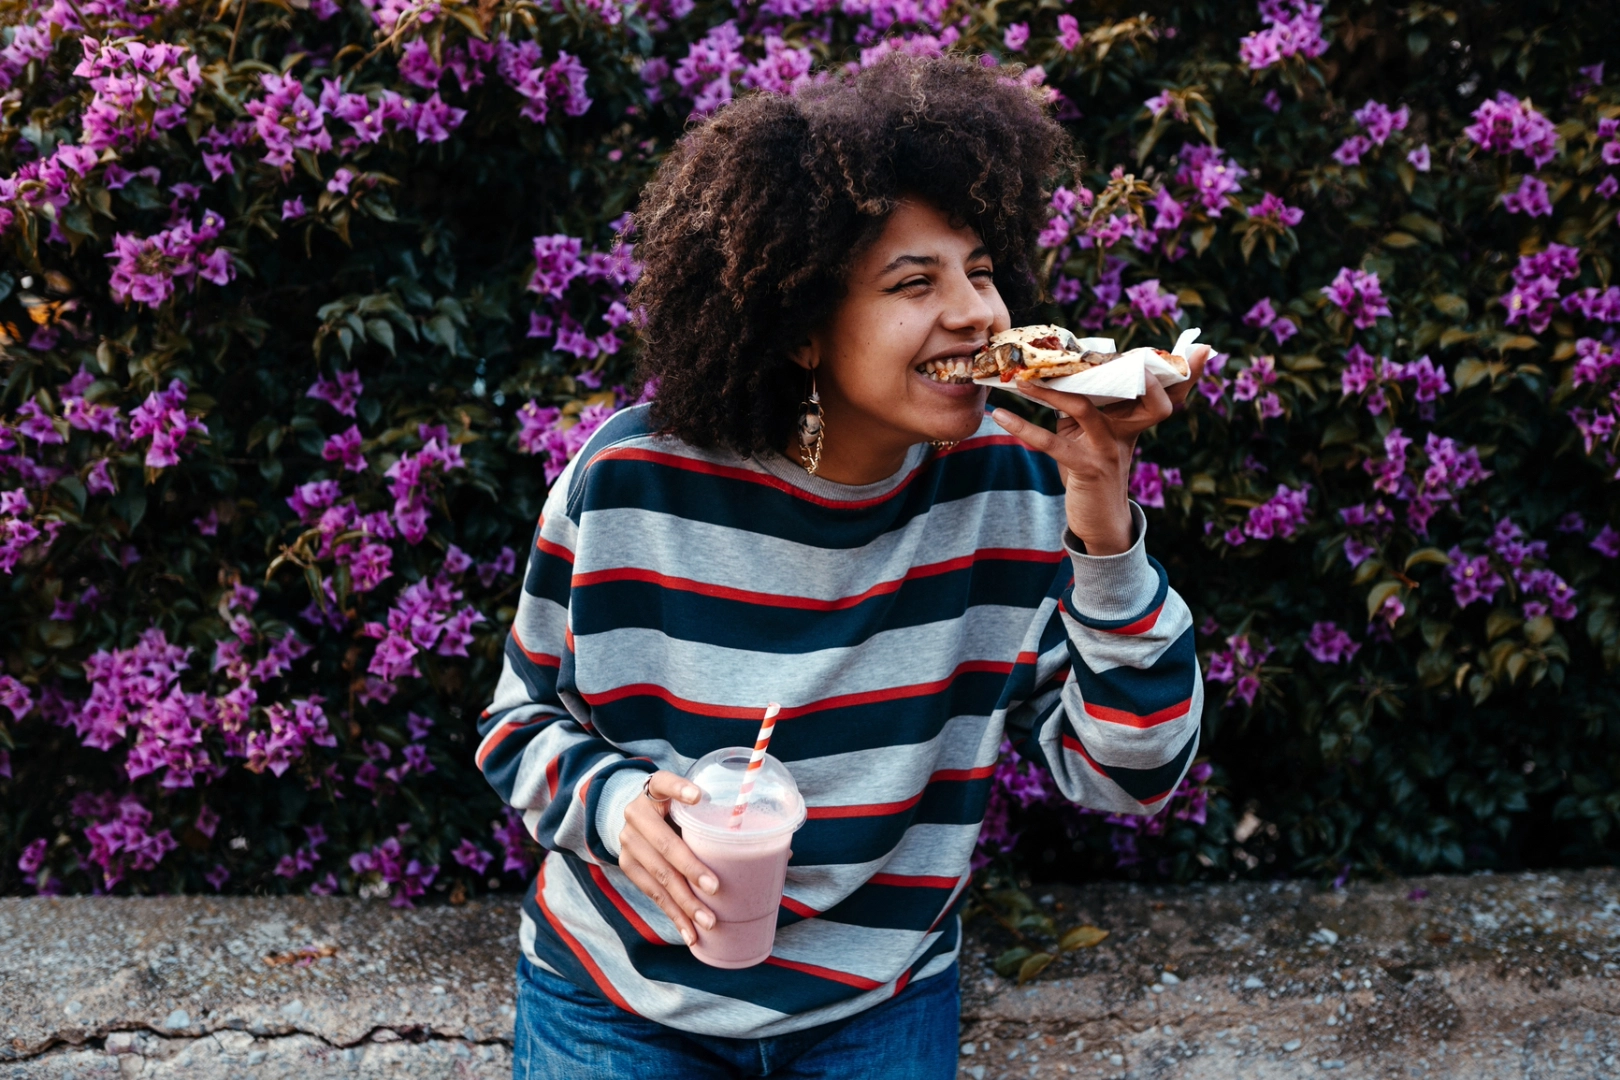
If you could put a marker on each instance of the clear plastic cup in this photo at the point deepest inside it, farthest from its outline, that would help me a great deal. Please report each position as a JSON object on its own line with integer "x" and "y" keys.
{"x": 749, "y": 860}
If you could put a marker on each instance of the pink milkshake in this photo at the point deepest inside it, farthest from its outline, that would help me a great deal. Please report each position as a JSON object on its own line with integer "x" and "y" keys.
{"x": 748, "y": 853}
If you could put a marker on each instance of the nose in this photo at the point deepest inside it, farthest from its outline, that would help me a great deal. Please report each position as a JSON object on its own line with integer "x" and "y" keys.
{"x": 967, "y": 307}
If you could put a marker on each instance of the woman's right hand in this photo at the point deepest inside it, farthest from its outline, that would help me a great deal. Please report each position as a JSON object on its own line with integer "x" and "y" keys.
{"x": 657, "y": 860}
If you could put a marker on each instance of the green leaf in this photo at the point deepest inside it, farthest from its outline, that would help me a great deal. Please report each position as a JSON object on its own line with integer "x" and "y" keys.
{"x": 1381, "y": 592}
{"x": 1518, "y": 343}
{"x": 1468, "y": 372}
{"x": 1082, "y": 937}
{"x": 1427, "y": 555}
{"x": 73, "y": 488}
{"x": 1398, "y": 239}
{"x": 1427, "y": 228}
{"x": 1450, "y": 305}
{"x": 1499, "y": 622}
{"x": 1033, "y": 966}
{"x": 382, "y": 332}
{"x": 1008, "y": 963}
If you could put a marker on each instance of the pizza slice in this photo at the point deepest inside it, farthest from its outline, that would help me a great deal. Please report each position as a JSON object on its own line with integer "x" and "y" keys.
{"x": 1043, "y": 351}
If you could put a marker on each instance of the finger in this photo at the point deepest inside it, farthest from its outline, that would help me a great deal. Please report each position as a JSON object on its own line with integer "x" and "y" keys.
{"x": 651, "y": 855}
{"x": 667, "y": 785}
{"x": 1156, "y": 405}
{"x": 1197, "y": 358}
{"x": 647, "y": 822}
{"x": 1077, "y": 407}
{"x": 646, "y": 881}
{"x": 1031, "y": 435}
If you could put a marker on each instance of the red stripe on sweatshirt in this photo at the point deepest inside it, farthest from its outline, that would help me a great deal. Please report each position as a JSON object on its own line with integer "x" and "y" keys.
{"x": 811, "y": 603}
{"x": 880, "y": 809}
{"x": 751, "y": 712}
{"x": 799, "y": 908}
{"x": 543, "y": 659}
{"x": 574, "y": 946}
{"x": 551, "y": 548}
{"x": 1072, "y": 743}
{"x": 1132, "y": 720}
{"x": 860, "y": 982}
{"x": 1140, "y": 626}
{"x": 914, "y": 881}
{"x": 624, "y": 907}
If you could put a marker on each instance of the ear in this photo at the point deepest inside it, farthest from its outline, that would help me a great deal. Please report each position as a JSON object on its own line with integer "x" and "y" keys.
{"x": 806, "y": 354}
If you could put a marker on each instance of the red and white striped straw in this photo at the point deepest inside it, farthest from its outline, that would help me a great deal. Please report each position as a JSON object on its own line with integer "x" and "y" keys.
{"x": 756, "y": 759}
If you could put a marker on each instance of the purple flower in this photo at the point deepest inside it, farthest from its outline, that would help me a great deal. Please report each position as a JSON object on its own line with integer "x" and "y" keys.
{"x": 1358, "y": 294}
{"x": 472, "y": 856}
{"x": 1419, "y": 158}
{"x": 1016, "y": 37}
{"x": 345, "y": 448}
{"x": 1607, "y": 187}
{"x": 1252, "y": 380}
{"x": 1152, "y": 302}
{"x": 1350, "y": 151}
{"x": 1069, "y": 35}
{"x": 1293, "y": 28}
{"x": 1261, "y": 315}
{"x": 1271, "y": 207}
{"x": 1531, "y": 198}
{"x": 1607, "y": 543}
{"x": 1214, "y": 178}
{"x": 1169, "y": 213}
{"x": 1379, "y": 122}
{"x": 1473, "y": 578}
{"x": 1357, "y": 551}
{"x": 1148, "y": 482}
{"x": 161, "y": 418}
{"x": 1505, "y": 124}
{"x": 1327, "y": 644}
{"x": 342, "y": 395}
{"x": 557, "y": 263}
{"x": 33, "y": 857}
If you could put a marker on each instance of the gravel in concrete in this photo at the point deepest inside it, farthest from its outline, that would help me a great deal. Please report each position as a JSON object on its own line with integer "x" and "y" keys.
{"x": 1479, "y": 978}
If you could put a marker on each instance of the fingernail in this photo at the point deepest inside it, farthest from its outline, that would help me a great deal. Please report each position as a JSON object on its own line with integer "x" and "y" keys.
{"x": 708, "y": 884}
{"x": 1002, "y": 417}
{"x": 705, "y": 920}
{"x": 689, "y": 793}
{"x": 688, "y": 937}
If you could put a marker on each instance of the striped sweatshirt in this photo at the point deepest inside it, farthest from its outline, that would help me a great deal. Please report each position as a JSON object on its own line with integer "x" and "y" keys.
{"x": 905, "y": 627}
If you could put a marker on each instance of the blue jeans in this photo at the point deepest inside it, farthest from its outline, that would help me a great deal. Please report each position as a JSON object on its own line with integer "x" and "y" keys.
{"x": 565, "y": 1033}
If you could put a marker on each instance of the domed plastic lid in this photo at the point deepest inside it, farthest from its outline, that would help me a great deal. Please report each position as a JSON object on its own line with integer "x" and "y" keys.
{"x": 774, "y": 805}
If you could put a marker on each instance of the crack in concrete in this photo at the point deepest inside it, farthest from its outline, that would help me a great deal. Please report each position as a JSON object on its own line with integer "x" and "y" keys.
{"x": 409, "y": 1033}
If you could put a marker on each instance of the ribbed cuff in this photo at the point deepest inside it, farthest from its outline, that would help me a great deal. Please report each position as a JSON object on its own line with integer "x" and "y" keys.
{"x": 1109, "y": 587}
{"x": 617, "y": 792}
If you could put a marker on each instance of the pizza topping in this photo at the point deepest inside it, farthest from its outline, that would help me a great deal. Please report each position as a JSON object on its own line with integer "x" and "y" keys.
{"x": 1050, "y": 341}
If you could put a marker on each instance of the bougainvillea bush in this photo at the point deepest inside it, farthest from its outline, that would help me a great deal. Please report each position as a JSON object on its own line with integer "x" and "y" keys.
{"x": 304, "y": 304}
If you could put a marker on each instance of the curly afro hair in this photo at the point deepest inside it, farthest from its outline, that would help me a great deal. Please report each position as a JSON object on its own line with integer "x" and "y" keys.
{"x": 749, "y": 228}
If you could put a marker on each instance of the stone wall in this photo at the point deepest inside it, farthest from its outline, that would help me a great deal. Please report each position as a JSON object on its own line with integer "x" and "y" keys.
{"x": 1476, "y": 977}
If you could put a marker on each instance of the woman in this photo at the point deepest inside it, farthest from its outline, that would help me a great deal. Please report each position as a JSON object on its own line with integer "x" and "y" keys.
{"x": 805, "y": 514}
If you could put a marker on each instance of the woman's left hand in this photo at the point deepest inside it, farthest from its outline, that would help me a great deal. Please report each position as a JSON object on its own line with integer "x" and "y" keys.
{"x": 1093, "y": 446}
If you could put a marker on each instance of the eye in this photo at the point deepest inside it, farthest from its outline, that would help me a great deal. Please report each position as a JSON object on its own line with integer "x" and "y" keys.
{"x": 984, "y": 273}
{"x": 910, "y": 285}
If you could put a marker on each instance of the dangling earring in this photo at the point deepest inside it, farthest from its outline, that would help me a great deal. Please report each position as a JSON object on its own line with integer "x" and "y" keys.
{"x": 941, "y": 445}
{"x": 811, "y": 429}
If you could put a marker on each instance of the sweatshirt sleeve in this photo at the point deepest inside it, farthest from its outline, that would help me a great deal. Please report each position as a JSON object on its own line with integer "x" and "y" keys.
{"x": 1119, "y": 727}
{"x": 537, "y": 748}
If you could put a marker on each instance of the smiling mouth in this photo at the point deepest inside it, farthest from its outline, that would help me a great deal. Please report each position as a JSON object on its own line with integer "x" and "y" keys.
{"x": 956, "y": 370}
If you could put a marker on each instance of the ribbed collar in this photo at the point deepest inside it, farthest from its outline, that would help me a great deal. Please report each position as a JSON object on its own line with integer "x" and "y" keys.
{"x": 783, "y": 467}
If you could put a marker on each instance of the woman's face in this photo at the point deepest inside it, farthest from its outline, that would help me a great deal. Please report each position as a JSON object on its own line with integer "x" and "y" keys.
{"x": 922, "y": 294}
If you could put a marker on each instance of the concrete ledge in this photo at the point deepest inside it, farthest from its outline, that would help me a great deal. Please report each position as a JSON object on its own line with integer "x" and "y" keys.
{"x": 1483, "y": 977}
